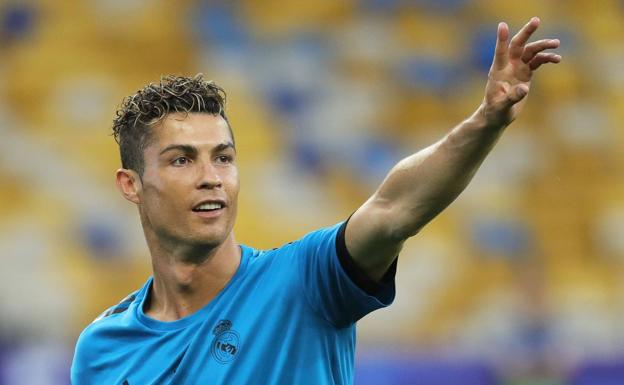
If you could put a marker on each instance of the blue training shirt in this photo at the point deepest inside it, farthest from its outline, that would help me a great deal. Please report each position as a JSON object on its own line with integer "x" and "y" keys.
{"x": 287, "y": 316}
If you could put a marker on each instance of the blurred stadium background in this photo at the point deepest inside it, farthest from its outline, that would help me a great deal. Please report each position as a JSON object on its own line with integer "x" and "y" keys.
{"x": 520, "y": 281}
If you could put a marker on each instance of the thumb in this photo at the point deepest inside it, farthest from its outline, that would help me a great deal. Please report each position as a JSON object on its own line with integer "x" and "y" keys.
{"x": 516, "y": 94}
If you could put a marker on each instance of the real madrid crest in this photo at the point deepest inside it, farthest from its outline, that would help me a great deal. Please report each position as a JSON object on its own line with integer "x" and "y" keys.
{"x": 226, "y": 342}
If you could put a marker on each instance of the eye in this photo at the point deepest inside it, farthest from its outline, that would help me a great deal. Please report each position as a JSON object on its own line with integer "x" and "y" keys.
{"x": 224, "y": 159}
{"x": 181, "y": 161}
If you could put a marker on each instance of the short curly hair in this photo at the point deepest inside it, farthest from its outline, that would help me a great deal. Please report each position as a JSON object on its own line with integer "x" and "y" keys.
{"x": 150, "y": 105}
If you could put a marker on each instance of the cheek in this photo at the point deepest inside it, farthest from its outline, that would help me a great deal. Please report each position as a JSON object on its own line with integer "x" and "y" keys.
{"x": 233, "y": 188}
{"x": 232, "y": 183}
{"x": 160, "y": 198}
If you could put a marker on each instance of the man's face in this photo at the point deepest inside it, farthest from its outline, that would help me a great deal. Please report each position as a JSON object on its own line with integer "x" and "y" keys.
{"x": 190, "y": 183}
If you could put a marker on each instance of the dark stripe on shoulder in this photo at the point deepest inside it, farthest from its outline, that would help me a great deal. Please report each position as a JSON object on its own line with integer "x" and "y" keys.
{"x": 119, "y": 308}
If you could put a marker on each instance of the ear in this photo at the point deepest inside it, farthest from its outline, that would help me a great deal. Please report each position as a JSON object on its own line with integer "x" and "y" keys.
{"x": 129, "y": 184}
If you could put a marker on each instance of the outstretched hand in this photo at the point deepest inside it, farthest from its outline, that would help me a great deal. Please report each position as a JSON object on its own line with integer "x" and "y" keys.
{"x": 509, "y": 79}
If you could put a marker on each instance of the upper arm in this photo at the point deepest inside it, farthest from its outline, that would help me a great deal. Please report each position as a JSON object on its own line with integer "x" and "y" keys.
{"x": 373, "y": 238}
{"x": 332, "y": 288}
{"x": 79, "y": 372}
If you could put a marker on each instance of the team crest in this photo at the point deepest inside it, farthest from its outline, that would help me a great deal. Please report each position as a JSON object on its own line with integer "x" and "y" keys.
{"x": 226, "y": 342}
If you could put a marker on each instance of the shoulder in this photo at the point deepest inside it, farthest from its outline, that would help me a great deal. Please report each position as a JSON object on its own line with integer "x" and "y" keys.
{"x": 111, "y": 318}
{"x": 101, "y": 335}
{"x": 262, "y": 257}
{"x": 320, "y": 240}
{"x": 121, "y": 307}
{"x": 313, "y": 237}
{"x": 288, "y": 257}
{"x": 310, "y": 241}
{"x": 322, "y": 235}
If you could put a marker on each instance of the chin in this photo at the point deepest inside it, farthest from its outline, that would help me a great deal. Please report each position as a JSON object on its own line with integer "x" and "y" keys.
{"x": 208, "y": 240}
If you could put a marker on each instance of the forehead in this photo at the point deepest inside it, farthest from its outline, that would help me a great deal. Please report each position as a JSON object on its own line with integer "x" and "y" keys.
{"x": 193, "y": 129}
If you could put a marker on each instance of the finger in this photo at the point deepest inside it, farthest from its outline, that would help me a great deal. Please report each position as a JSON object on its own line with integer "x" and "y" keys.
{"x": 543, "y": 58}
{"x": 520, "y": 39}
{"x": 500, "y": 53}
{"x": 532, "y": 49}
{"x": 516, "y": 94}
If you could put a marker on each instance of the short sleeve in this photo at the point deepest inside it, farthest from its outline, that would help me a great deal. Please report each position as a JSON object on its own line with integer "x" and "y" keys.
{"x": 79, "y": 368}
{"x": 333, "y": 293}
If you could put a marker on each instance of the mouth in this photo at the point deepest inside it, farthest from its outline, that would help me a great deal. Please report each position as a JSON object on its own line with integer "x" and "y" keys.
{"x": 209, "y": 207}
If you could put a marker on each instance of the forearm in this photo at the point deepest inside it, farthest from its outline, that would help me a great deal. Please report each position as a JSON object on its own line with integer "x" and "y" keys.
{"x": 420, "y": 186}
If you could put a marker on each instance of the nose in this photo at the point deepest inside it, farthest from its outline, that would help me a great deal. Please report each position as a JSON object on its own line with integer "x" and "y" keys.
{"x": 208, "y": 177}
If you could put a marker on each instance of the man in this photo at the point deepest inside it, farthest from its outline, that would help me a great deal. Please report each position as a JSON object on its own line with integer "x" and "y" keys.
{"x": 216, "y": 312}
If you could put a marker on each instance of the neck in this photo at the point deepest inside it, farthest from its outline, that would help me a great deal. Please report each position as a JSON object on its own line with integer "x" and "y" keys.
{"x": 186, "y": 278}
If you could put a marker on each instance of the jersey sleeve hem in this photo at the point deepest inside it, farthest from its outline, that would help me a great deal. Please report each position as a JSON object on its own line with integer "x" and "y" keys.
{"x": 342, "y": 302}
{"x": 356, "y": 274}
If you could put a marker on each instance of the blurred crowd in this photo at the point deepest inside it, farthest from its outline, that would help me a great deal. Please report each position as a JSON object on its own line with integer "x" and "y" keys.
{"x": 520, "y": 281}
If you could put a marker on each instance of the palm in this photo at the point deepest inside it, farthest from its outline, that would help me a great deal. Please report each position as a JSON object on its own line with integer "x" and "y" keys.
{"x": 510, "y": 75}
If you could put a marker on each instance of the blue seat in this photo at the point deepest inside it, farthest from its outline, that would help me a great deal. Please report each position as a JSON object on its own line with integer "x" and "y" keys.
{"x": 599, "y": 373}
{"x": 418, "y": 371}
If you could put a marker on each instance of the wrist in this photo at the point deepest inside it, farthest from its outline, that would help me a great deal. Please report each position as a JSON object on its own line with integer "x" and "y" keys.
{"x": 487, "y": 118}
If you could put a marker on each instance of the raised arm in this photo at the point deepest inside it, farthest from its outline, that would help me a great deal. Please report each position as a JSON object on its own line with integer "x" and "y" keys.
{"x": 420, "y": 186}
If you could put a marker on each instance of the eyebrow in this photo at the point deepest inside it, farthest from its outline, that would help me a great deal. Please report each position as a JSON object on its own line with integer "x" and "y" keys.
{"x": 189, "y": 149}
